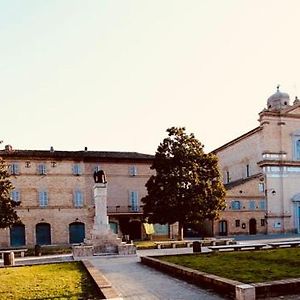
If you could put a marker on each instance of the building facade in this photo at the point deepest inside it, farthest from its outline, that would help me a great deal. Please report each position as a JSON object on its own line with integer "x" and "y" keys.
{"x": 55, "y": 190}
{"x": 261, "y": 172}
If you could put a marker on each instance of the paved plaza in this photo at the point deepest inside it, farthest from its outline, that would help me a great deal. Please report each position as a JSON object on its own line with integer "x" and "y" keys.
{"x": 132, "y": 280}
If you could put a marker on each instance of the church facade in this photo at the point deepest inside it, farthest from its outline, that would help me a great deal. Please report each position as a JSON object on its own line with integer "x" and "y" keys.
{"x": 261, "y": 172}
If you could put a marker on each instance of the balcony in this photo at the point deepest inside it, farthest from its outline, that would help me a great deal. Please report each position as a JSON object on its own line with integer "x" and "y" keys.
{"x": 119, "y": 209}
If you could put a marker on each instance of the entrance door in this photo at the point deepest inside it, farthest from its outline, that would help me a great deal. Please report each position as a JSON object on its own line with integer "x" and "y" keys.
{"x": 252, "y": 226}
{"x": 223, "y": 228}
{"x": 17, "y": 235}
{"x": 76, "y": 233}
{"x": 43, "y": 234}
{"x": 135, "y": 231}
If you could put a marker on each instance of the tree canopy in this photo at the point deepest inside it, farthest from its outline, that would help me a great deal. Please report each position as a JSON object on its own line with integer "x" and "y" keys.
{"x": 8, "y": 215}
{"x": 187, "y": 186}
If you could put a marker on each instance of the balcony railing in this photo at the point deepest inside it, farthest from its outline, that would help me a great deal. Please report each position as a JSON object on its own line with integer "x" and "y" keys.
{"x": 125, "y": 209}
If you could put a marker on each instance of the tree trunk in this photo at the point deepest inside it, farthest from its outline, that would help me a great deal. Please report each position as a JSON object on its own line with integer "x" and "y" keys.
{"x": 180, "y": 231}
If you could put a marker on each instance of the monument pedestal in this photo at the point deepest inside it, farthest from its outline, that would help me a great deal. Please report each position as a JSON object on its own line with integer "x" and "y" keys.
{"x": 102, "y": 240}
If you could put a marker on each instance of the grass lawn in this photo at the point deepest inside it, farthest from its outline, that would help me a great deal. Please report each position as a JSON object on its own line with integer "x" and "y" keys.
{"x": 245, "y": 266}
{"x": 52, "y": 281}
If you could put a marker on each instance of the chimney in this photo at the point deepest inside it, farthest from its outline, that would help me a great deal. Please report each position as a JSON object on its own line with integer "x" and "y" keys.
{"x": 85, "y": 149}
{"x": 51, "y": 149}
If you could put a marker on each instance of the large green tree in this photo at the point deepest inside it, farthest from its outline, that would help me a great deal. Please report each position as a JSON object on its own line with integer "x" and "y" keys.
{"x": 8, "y": 215}
{"x": 187, "y": 186}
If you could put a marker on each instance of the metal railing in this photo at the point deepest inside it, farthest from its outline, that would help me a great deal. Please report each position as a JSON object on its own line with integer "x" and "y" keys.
{"x": 125, "y": 209}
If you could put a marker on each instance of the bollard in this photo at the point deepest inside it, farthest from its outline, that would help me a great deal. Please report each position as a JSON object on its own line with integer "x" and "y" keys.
{"x": 196, "y": 247}
{"x": 9, "y": 259}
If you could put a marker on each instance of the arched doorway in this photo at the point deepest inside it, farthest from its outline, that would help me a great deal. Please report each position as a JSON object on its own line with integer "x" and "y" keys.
{"x": 223, "y": 228}
{"x": 17, "y": 235}
{"x": 43, "y": 234}
{"x": 252, "y": 226}
{"x": 76, "y": 232}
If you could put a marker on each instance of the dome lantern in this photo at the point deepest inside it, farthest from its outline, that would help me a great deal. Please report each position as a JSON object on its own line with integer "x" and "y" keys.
{"x": 278, "y": 101}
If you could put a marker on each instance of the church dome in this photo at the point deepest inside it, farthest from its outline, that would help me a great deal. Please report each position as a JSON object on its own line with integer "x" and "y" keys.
{"x": 278, "y": 101}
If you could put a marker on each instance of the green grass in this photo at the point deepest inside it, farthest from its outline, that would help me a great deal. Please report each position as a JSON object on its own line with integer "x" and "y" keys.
{"x": 52, "y": 281}
{"x": 245, "y": 266}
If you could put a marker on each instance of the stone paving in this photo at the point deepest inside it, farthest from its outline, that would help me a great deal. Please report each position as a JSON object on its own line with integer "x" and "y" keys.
{"x": 138, "y": 282}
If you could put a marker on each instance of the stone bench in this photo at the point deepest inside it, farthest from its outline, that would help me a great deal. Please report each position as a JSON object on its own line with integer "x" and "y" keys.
{"x": 8, "y": 255}
{"x": 284, "y": 244}
{"x": 237, "y": 247}
{"x": 173, "y": 244}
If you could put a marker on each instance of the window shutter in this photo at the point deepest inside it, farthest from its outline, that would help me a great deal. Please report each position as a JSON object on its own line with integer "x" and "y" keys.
{"x": 134, "y": 201}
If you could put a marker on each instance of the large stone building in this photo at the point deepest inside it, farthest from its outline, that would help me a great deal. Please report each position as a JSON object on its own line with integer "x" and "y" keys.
{"x": 55, "y": 189}
{"x": 261, "y": 171}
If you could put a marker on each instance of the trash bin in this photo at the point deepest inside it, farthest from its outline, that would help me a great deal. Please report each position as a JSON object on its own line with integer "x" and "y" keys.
{"x": 9, "y": 259}
{"x": 196, "y": 247}
{"x": 37, "y": 250}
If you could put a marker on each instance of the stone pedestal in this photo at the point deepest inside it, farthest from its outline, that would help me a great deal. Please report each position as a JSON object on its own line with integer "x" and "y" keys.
{"x": 102, "y": 240}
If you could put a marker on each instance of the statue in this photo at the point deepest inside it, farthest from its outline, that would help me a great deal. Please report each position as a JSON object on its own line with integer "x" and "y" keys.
{"x": 99, "y": 177}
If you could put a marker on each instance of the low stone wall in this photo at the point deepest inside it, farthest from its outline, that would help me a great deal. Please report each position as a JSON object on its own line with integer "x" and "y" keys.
{"x": 277, "y": 288}
{"x": 221, "y": 285}
{"x": 233, "y": 289}
{"x": 102, "y": 283}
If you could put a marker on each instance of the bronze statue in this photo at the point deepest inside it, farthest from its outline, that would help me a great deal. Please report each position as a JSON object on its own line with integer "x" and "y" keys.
{"x": 99, "y": 177}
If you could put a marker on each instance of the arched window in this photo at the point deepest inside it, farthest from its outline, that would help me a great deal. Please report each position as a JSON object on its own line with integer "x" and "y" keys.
{"x": 43, "y": 234}
{"x": 76, "y": 232}
{"x": 17, "y": 235}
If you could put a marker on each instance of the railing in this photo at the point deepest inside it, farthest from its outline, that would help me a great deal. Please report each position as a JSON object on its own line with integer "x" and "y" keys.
{"x": 125, "y": 209}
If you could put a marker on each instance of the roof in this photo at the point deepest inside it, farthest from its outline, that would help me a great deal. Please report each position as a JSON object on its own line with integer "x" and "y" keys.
{"x": 77, "y": 155}
{"x": 236, "y": 140}
{"x": 230, "y": 185}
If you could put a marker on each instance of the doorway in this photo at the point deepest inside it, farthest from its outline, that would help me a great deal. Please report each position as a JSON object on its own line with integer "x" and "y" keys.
{"x": 223, "y": 228}
{"x": 17, "y": 235}
{"x": 252, "y": 226}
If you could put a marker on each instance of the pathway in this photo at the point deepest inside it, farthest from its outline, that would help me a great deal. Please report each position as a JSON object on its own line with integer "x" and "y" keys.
{"x": 138, "y": 282}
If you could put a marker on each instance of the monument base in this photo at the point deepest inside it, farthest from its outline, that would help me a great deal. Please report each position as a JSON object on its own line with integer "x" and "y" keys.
{"x": 104, "y": 244}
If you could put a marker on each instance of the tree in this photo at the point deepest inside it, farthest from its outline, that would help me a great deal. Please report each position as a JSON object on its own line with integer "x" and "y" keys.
{"x": 8, "y": 215}
{"x": 187, "y": 186}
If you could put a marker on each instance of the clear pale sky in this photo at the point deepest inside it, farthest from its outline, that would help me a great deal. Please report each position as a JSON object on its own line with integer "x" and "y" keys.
{"x": 114, "y": 75}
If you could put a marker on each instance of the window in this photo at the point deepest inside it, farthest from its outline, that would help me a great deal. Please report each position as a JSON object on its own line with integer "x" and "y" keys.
{"x": 247, "y": 171}
{"x": 227, "y": 177}
{"x": 14, "y": 169}
{"x": 78, "y": 199}
{"x": 297, "y": 148}
{"x": 237, "y": 223}
{"x": 262, "y": 222}
{"x": 236, "y": 205}
{"x": 42, "y": 169}
{"x": 252, "y": 205}
{"x": 262, "y": 204}
{"x": 43, "y": 199}
{"x": 261, "y": 187}
{"x": 15, "y": 196}
{"x": 76, "y": 169}
{"x": 134, "y": 205}
{"x": 133, "y": 171}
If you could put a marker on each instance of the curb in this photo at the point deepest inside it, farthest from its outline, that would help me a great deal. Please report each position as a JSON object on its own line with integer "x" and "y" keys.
{"x": 103, "y": 284}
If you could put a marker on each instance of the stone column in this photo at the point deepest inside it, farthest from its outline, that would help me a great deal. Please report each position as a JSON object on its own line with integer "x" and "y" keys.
{"x": 101, "y": 224}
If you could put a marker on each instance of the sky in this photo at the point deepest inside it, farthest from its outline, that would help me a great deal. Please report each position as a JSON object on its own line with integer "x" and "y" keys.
{"x": 113, "y": 75}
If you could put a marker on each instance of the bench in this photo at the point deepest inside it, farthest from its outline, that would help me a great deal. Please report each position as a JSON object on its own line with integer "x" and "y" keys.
{"x": 8, "y": 255}
{"x": 173, "y": 244}
{"x": 237, "y": 247}
{"x": 284, "y": 244}
{"x": 14, "y": 250}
